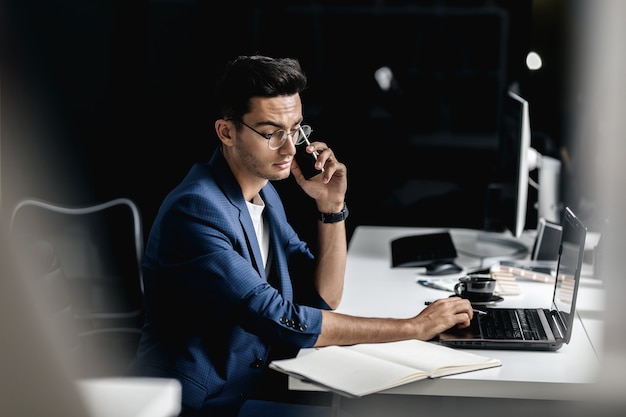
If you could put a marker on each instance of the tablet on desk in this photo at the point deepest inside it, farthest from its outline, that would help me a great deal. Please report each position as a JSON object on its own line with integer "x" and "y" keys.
{"x": 422, "y": 250}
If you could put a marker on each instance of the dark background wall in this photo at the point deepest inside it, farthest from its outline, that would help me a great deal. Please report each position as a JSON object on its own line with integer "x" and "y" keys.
{"x": 103, "y": 99}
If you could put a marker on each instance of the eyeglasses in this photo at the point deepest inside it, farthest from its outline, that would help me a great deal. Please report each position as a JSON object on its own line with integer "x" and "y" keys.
{"x": 276, "y": 139}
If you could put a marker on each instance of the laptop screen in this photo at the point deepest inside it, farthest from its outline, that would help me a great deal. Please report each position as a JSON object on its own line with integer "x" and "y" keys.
{"x": 568, "y": 274}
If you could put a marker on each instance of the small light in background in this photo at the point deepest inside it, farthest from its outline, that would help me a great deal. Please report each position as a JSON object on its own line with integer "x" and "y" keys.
{"x": 533, "y": 61}
{"x": 384, "y": 78}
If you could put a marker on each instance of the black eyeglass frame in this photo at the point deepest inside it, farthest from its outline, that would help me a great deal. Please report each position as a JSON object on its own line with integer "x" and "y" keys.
{"x": 302, "y": 138}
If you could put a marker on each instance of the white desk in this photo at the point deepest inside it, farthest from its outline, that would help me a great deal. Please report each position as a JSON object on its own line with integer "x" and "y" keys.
{"x": 373, "y": 288}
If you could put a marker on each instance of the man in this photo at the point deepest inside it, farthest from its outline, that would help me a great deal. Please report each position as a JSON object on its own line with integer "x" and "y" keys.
{"x": 228, "y": 283}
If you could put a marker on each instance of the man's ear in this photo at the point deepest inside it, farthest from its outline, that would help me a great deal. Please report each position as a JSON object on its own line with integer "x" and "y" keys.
{"x": 225, "y": 130}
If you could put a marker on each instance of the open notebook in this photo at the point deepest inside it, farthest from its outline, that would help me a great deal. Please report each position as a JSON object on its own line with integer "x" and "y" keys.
{"x": 362, "y": 369}
{"x": 511, "y": 328}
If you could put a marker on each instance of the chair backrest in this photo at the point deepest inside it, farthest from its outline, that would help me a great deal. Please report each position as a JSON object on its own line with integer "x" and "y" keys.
{"x": 85, "y": 265}
{"x": 100, "y": 248}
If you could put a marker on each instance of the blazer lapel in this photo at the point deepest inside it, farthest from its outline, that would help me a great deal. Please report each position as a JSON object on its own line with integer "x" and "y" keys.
{"x": 279, "y": 261}
{"x": 251, "y": 239}
{"x": 232, "y": 191}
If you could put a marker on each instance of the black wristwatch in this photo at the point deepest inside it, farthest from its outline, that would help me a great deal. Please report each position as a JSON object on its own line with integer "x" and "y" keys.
{"x": 335, "y": 217}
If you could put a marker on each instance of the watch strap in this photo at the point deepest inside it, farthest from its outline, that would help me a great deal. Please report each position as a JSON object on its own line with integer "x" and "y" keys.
{"x": 335, "y": 217}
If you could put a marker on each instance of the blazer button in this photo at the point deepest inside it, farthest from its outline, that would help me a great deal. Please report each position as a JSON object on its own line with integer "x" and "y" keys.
{"x": 302, "y": 327}
{"x": 257, "y": 363}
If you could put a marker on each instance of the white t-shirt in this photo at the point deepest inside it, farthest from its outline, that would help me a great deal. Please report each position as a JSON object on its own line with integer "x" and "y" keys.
{"x": 260, "y": 226}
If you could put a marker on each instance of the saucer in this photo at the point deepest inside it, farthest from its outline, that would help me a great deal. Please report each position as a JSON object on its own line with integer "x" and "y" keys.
{"x": 492, "y": 300}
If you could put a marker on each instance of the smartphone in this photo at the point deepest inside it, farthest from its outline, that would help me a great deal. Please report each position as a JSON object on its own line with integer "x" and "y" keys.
{"x": 306, "y": 161}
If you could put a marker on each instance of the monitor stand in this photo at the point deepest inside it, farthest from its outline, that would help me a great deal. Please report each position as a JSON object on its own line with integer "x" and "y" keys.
{"x": 548, "y": 193}
{"x": 489, "y": 247}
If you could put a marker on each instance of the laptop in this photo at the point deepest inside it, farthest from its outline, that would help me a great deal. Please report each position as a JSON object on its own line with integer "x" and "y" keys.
{"x": 504, "y": 328}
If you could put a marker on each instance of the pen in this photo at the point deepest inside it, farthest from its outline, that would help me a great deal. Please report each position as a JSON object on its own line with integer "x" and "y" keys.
{"x": 433, "y": 285}
{"x": 475, "y": 310}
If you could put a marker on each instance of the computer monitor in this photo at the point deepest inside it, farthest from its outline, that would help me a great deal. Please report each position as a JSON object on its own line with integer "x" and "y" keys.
{"x": 508, "y": 197}
{"x": 514, "y": 151}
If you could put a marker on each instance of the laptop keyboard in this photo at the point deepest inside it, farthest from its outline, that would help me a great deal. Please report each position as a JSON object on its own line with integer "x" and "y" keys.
{"x": 521, "y": 324}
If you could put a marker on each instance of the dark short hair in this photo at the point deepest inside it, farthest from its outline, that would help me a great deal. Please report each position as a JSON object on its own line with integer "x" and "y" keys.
{"x": 246, "y": 77}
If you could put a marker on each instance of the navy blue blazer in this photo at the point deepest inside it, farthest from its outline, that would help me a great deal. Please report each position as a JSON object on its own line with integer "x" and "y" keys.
{"x": 210, "y": 314}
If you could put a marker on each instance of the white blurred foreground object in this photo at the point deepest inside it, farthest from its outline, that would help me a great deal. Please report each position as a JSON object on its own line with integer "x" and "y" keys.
{"x": 131, "y": 397}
